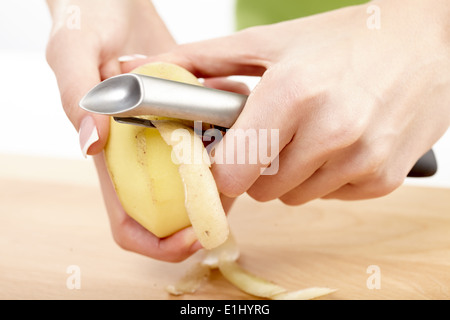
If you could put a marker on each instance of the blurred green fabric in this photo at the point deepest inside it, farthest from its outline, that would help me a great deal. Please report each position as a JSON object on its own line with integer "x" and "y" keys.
{"x": 258, "y": 12}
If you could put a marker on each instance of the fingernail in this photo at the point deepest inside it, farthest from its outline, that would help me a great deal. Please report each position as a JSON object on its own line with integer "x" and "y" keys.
{"x": 88, "y": 134}
{"x": 195, "y": 247}
{"x": 131, "y": 57}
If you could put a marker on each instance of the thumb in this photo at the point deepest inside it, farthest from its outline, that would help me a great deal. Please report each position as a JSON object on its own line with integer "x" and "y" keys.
{"x": 242, "y": 53}
{"x": 76, "y": 72}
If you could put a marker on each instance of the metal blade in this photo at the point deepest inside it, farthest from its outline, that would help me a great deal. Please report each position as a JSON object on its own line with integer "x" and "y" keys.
{"x": 135, "y": 121}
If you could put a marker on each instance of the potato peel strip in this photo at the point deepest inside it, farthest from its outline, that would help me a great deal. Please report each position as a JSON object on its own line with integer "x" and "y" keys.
{"x": 208, "y": 219}
{"x": 225, "y": 258}
{"x": 191, "y": 281}
{"x": 304, "y": 294}
{"x": 248, "y": 282}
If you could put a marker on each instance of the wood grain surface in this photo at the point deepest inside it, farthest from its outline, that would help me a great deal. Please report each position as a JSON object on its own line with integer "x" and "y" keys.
{"x": 52, "y": 217}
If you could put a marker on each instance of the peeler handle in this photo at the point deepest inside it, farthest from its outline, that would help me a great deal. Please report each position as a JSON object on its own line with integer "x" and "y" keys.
{"x": 190, "y": 102}
{"x": 426, "y": 166}
{"x": 130, "y": 95}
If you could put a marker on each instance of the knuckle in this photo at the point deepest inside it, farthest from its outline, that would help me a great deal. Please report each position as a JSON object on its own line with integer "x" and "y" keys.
{"x": 369, "y": 163}
{"x": 121, "y": 239}
{"x": 387, "y": 183}
{"x": 342, "y": 128}
{"x": 56, "y": 41}
{"x": 373, "y": 173}
{"x": 341, "y": 133}
{"x": 253, "y": 32}
{"x": 382, "y": 185}
{"x": 373, "y": 164}
{"x": 120, "y": 234}
{"x": 255, "y": 37}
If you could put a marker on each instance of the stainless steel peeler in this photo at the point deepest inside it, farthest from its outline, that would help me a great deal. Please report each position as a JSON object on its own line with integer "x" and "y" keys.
{"x": 129, "y": 95}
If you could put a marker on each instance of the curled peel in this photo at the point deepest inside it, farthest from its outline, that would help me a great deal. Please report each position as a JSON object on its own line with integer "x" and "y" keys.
{"x": 202, "y": 199}
{"x": 248, "y": 282}
{"x": 225, "y": 259}
{"x": 263, "y": 288}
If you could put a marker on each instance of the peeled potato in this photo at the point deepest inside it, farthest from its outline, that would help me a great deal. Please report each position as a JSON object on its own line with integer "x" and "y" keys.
{"x": 161, "y": 194}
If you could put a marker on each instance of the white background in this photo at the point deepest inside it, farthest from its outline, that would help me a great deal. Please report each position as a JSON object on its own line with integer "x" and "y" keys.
{"x": 32, "y": 121}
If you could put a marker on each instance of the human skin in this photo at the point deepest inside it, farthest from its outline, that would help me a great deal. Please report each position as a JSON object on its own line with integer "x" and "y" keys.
{"x": 355, "y": 107}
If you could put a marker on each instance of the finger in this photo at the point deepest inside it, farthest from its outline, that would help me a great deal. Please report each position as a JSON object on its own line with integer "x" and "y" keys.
{"x": 327, "y": 171}
{"x": 315, "y": 147}
{"x": 376, "y": 184}
{"x": 242, "y": 53}
{"x": 77, "y": 70}
{"x": 296, "y": 165}
{"x": 354, "y": 191}
{"x": 355, "y": 173}
{"x": 227, "y": 85}
{"x": 130, "y": 62}
{"x": 324, "y": 181}
{"x": 309, "y": 168}
{"x": 237, "y": 158}
{"x": 131, "y": 236}
{"x": 340, "y": 166}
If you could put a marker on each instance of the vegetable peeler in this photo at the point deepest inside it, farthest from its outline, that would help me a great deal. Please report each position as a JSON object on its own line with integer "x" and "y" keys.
{"x": 129, "y": 95}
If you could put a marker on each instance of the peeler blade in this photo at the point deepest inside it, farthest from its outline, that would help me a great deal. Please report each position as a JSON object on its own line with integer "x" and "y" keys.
{"x": 135, "y": 121}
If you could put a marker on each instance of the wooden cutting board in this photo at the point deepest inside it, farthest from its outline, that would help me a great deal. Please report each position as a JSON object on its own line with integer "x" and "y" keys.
{"x": 53, "y": 223}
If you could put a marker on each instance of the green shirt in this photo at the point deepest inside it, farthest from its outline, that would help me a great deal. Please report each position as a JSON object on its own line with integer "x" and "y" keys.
{"x": 258, "y": 12}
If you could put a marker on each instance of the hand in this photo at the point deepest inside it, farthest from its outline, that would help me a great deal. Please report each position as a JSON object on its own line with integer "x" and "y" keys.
{"x": 85, "y": 43}
{"x": 84, "y": 51}
{"x": 355, "y": 107}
